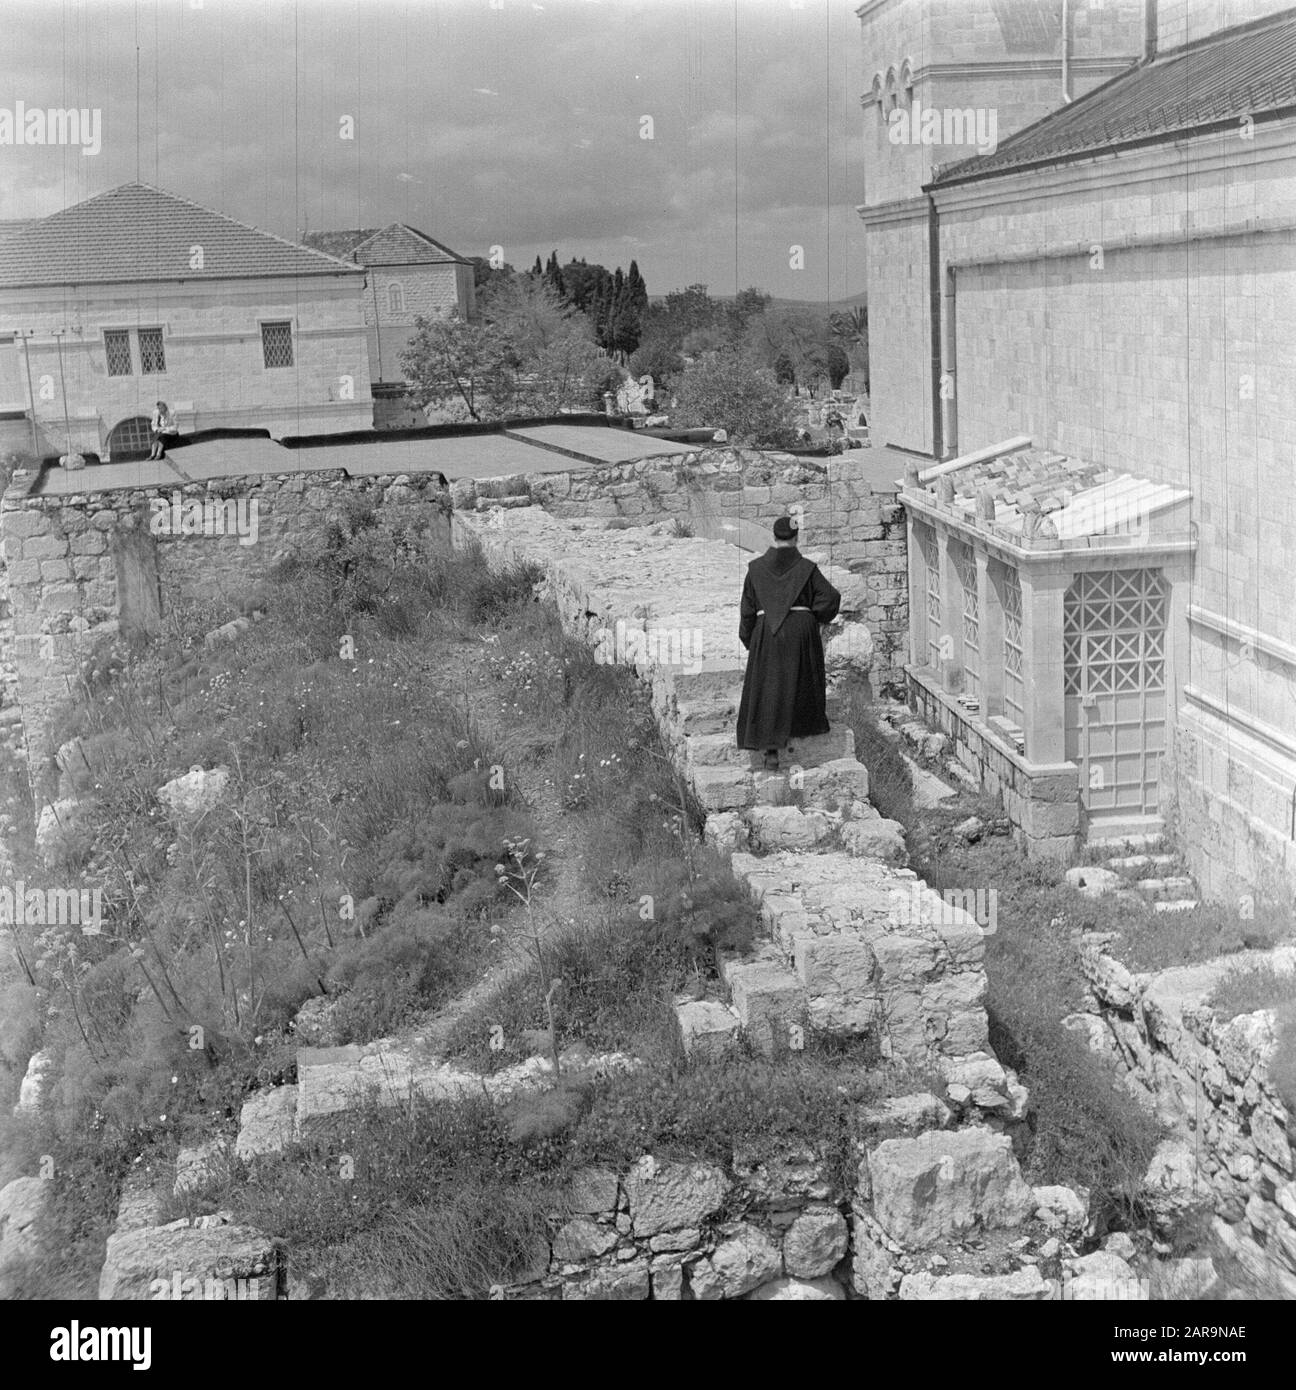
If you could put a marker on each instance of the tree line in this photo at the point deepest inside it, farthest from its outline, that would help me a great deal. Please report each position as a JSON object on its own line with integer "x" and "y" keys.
{"x": 559, "y": 336}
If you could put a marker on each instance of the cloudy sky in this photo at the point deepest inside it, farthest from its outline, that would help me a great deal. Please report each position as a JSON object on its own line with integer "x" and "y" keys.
{"x": 482, "y": 122}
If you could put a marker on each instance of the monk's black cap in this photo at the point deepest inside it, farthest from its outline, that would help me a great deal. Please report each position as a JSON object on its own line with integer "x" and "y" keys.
{"x": 785, "y": 529}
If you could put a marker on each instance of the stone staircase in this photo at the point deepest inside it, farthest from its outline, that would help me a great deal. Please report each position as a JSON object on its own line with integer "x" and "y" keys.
{"x": 856, "y": 944}
{"x": 1158, "y": 877}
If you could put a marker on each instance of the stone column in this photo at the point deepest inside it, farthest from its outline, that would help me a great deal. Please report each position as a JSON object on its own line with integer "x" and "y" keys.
{"x": 992, "y": 648}
{"x": 1043, "y": 589}
{"x": 951, "y": 614}
{"x": 917, "y": 597}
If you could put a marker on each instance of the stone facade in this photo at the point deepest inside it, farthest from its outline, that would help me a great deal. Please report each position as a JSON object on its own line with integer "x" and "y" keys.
{"x": 215, "y": 371}
{"x": 1130, "y": 309}
{"x": 957, "y": 54}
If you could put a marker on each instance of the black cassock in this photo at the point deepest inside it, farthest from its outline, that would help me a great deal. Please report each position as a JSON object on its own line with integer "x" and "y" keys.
{"x": 783, "y": 690}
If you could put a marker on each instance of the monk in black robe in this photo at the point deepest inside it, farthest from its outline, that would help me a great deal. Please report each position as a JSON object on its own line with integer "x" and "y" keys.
{"x": 784, "y": 600}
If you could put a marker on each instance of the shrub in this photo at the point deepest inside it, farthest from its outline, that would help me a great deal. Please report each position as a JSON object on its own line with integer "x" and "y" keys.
{"x": 708, "y": 1109}
{"x": 1246, "y": 991}
{"x": 723, "y": 391}
{"x": 1161, "y": 940}
{"x": 412, "y": 963}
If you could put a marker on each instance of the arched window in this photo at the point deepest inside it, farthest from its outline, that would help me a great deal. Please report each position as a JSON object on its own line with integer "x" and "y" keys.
{"x": 891, "y": 100}
{"x": 130, "y": 439}
{"x": 876, "y": 94}
{"x": 395, "y": 299}
{"x": 906, "y": 82}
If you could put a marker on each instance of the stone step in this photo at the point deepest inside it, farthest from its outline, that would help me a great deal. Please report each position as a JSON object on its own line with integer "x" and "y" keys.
{"x": 1146, "y": 835}
{"x": 1133, "y": 864}
{"x": 724, "y": 788}
{"x": 1165, "y": 889}
{"x": 718, "y": 750}
{"x": 1176, "y": 905}
{"x": 838, "y": 742}
{"x": 769, "y": 1000}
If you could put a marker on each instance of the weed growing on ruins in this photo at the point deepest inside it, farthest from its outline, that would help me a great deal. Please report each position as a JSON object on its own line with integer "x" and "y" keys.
{"x": 1263, "y": 987}
{"x": 662, "y": 903}
{"x": 347, "y": 848}
{"x": 435, "y": 1199}
{"x": 890, "y": 785}
{"x": 1160, "y": 940}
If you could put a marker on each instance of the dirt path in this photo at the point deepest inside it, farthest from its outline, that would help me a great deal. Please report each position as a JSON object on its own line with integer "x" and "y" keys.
{"x": 525, "y": 753}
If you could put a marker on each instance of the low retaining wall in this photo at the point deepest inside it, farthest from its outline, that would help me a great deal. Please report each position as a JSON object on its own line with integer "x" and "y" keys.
{"x": 848, "y": 519}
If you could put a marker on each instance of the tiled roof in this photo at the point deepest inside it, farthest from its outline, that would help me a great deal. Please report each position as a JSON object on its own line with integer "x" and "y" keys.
{"x": 137, "y": 232}
{"x": 1078, "y": 499}
{"x": 396, "y": 244}
{"x": 1248, "y": 70}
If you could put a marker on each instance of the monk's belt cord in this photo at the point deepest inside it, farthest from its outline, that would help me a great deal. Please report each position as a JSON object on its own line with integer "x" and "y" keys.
{"x": 800, "y": 608}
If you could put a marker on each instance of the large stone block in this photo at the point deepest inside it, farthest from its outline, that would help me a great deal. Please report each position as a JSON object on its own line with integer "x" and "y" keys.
{"x": 798, "y": 1291}
{"x": 815, "y": 1243}
{"x": 179, "y": 1261}
{"x": 786, "y": 827}
{"x": 671, "y": 1196}
{"x": 266, "y": 1122}
{"x": 707, "y": 1028}
{"x": 769, "y": 999}
{"x": 946, "y": 1184}
{"x": 1026, "y": 1285}
{"x": 740, "y": 1263}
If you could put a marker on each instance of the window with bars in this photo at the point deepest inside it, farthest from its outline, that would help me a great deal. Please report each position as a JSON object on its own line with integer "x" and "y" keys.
{"x": 966, "y": 565}
{"x": 152, "y": 353}
{"x": 1010, "y": 591}
{"x": 117, "y": 346}
{"x": 276, "y": 344}
{"x": 929, "y": 548}
{"x": 396, "y": 299}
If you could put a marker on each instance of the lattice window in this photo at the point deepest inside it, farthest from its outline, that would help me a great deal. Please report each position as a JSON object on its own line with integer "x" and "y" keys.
{"x": 395, "y": 299}
{"x": 118, "y": 348}
{"x": 1115, "y": 680}
{"x": 152, "y": 353}
{"x": 1010, "y": 590}
{"x": 930, "y": 550}
{"x": 966, "y": 565}
{"x": 276, "y": 344}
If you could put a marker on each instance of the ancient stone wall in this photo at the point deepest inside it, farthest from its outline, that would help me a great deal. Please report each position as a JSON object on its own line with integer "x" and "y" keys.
{"x": 81, "y": 567}
{"x": 1228, "y": 1161}
{"x": 735, "y": 495}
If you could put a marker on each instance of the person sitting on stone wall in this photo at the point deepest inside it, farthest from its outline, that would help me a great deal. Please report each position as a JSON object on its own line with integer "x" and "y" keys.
{"x": 785, "y": 599}
{"x": 162, "y": 427}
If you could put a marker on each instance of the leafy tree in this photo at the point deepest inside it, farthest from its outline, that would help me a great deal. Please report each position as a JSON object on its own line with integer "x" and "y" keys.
{"x": 851, "y": 330}
{"x": 530, "y": 354}
{"x": 726, "y": 392}
{"x": 448, "y": 359}
{"x": 798, "y": 344}
{"x": 485, "y": 275}
{"x": 746, "y": 305}
{"x": 656, "y": 358}
{"x": 681, "y": 313}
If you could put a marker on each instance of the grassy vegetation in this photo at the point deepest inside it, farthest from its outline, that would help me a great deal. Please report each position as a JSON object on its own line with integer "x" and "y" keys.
{"x": 1262, "y": 987}
{"x": 353, "y": 853}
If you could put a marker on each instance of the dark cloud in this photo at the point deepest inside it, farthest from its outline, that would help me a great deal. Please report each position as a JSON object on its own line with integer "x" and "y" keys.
{"x": 517, "y": 126}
